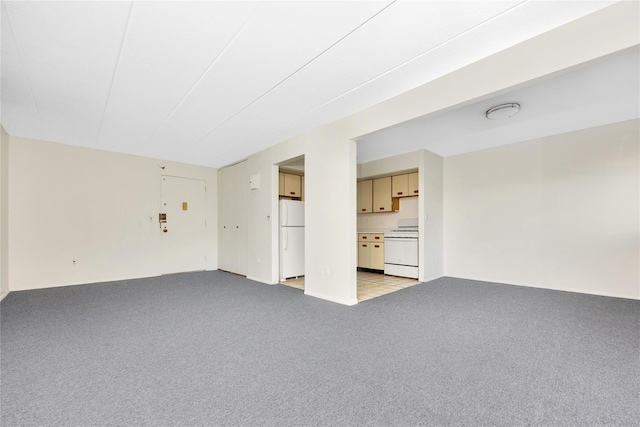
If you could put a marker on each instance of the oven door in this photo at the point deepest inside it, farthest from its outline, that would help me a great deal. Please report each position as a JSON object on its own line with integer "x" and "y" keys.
{"x": 401, "y": 250}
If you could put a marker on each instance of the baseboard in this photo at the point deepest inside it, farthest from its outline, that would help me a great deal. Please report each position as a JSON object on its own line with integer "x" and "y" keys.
{"x": 431, "y": 278}
{"x": 4, "y": 294}
{"x": 565, "y": 289}
{"x": 328, "y": 298}
{"x": 257, "y": 279}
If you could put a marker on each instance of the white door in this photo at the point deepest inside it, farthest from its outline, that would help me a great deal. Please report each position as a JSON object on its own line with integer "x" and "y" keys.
{"x": 232, "y": 218}
{"x": 184, "y": 232}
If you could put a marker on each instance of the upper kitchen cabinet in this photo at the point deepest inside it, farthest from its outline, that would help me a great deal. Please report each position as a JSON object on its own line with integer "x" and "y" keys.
{"x": 374, "y": 195}
{"x": 382, "y": 199}
{"x": 400, "y": 185}
{"x": 413, "y": 184}
{"x": 290, "y": 185}
{"x": 404, "y": 185}
{"x": 365, "y": 196}
{"x": 383, "y": 194}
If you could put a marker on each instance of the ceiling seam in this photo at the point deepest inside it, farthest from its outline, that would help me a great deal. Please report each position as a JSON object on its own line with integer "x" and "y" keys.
{"x": 382, "y": 74}
{"x": 191, "y": 144}
{"x": 33, "y": 95}
{"x": 199, "y": 79}
{"x": 115, "y": 72}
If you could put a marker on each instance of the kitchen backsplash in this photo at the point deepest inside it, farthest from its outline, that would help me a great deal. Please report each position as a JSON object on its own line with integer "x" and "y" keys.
{"x": 383, "y": 221}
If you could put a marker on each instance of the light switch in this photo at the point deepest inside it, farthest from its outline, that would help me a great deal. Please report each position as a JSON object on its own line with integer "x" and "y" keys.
{"x": 184, "y": 206}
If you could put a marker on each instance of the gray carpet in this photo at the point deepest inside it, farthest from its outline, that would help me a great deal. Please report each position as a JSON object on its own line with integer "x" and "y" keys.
{"x": 216, "y": 349}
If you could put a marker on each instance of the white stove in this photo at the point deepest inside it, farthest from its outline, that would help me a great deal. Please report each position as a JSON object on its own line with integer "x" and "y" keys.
{"x": 406, "y": 233}
{"x": 401, "y": 249}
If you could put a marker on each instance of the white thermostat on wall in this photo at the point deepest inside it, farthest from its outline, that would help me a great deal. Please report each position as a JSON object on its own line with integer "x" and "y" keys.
{"x": 254, "y": 182}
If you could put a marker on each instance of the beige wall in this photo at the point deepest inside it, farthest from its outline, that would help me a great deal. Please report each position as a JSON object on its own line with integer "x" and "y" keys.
{"x": 560, "y": 212}
{"x": 4, "y": 213}
{"x": 431, "y": 216}
{"x": 95, "y": 207}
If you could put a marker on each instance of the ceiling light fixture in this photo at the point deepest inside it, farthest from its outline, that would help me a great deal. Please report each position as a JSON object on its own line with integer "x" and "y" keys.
{"x": 503, "y": 111}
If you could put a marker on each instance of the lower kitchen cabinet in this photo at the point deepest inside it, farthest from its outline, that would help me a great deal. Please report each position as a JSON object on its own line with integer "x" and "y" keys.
{"x": 371, "y": 251}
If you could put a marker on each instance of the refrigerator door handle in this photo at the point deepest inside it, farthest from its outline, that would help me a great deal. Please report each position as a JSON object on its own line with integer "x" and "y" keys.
{"x": 285, "y": 214}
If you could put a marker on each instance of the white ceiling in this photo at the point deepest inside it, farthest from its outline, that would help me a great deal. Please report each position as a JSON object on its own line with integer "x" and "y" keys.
{"x": 210, "y": 83}
{"x": 598, "y": 94}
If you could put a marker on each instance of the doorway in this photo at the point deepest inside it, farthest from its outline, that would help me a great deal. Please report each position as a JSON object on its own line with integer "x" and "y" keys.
{"x": 182, "y": 225}
{"x": 291, "y": 221}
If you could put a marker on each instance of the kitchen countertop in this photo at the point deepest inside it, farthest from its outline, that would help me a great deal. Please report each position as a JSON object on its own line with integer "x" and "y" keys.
{"x": 374, "y": 231}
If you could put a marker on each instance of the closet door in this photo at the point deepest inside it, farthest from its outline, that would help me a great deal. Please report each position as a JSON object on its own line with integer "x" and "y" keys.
{"x": 232, "y": 218}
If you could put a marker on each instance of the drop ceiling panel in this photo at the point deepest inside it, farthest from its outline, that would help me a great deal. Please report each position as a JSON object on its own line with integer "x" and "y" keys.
{"x": 368, "y": 52}
{"x": 266, "y": 52}
{"x": 19, "y": 110}
{"x": 69, "y": 51}
{"x": 158, "y": 69}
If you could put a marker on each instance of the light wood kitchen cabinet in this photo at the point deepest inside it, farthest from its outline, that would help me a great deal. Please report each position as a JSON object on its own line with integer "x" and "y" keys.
{"x": 289, "y": 185}
{"x": 382, "y": 195}
{"x": 371, "y": 251}
{"x": 365, "y": 196}
{"x": 413, "y": 184}
{"x": 364, "y": 254}
{"x": 400, "y": 185}
{"x": 404, "y": 185}
{"x": 377, "y": 255}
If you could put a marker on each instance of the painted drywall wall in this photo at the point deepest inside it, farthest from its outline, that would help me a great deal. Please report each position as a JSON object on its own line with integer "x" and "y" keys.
{"x": 389, "y": 165}
{"x": 389, "y": 220}
{"x": 431, "y": 216}
{"x": 96, "y": 208}
{"x": 559, "y": 213}
{"x": 330, "y": 220}
{"x": 4, "y": 213}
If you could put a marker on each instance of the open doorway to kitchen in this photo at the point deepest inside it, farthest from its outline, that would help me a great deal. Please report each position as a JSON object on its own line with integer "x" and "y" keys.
{"x": 387, "y": 213}
{"x": 291, "y": 221}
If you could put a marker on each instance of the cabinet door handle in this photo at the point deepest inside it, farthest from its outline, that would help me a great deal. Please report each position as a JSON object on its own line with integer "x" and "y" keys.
{"x": 364, "y": 246}
{"x": 415, "y": 191}
{"x": 364, "y": 209}
{"x": 381, "y": 209}
{"x": 377, "y": 237}
{"x": 293, "y": 193}
{"x": 399, "y": 193}
{"x": 376, "y": 246}
{"x": 364, "y": 237}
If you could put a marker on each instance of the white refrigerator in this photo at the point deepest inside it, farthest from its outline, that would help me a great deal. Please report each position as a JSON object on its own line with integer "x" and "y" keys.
{"x": 291, "y": 239}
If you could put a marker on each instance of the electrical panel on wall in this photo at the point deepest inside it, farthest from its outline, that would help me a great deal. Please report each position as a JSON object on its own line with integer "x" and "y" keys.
{"x": 254, "y": 182}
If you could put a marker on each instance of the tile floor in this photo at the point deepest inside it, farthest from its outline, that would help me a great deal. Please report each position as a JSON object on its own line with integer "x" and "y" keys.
{"x": 370, "y": 285}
